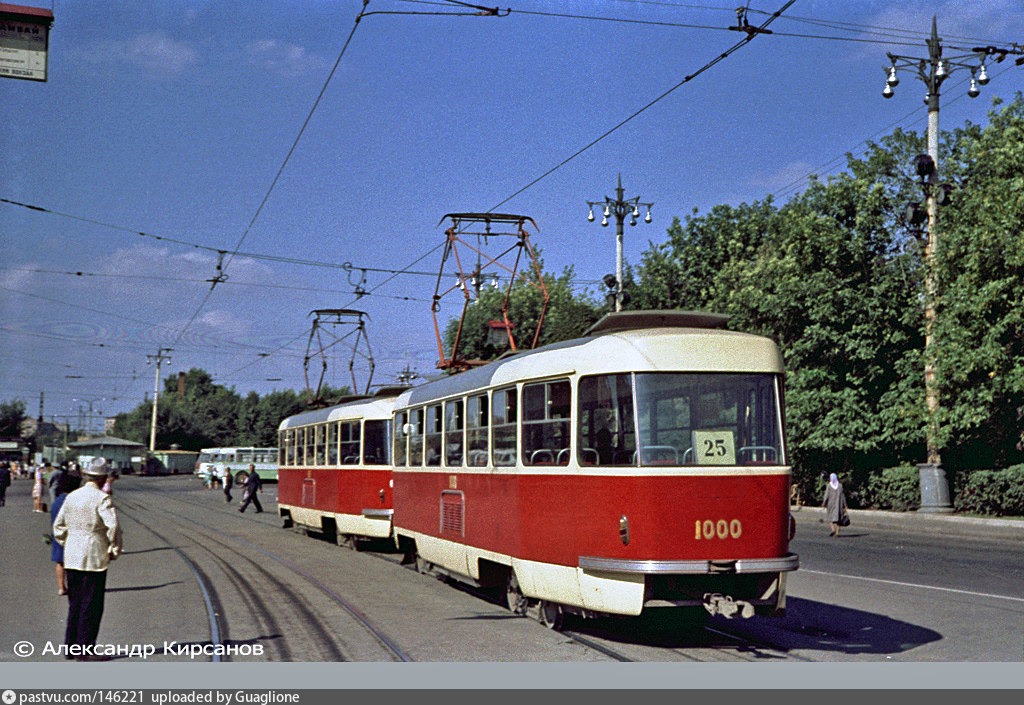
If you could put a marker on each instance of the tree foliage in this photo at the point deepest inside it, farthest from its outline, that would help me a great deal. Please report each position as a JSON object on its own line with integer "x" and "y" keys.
{"x": 569, "y": 314}
{"x": 207, "y": 415}
{"x": 12, "y": 415}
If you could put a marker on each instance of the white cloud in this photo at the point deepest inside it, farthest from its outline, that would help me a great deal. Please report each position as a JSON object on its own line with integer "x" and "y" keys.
{"x": 288, "y": 60}
{"x": 157, "y": 52}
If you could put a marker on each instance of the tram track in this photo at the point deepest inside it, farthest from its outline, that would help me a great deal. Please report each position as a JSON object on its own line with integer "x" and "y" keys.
{"x": 205, "y": 586}
{"x": 273, "y": 605}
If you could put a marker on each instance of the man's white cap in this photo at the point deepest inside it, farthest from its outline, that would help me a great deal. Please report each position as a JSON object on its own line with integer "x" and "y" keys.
{"x": 97, "y": 467}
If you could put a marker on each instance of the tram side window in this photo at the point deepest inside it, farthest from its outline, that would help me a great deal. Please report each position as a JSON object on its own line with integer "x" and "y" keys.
{"x": 375, "y": 443}
{"x": 400, "y": 437}
{"x": 546, "y": 423}
{"x": 433, "y": 435}
{"x": 321, "y": 444}
{"x": 454, "y": 443}
{"x": 476, "y": 431}
{"x": 504, "y": 418}
{"x": 349, "y": 442}
{"x": 416, "y": 437}
{"x": 310, "y": 446}
{"x": 332, "y": 443}
{"x": 607, "y": 431}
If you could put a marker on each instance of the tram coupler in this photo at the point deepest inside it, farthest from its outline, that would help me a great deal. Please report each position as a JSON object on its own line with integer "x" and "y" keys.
{"x": 716, "y": 603}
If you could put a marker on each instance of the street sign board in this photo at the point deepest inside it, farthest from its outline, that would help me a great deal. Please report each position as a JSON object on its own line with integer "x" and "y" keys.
{"x": 24, "y": 38}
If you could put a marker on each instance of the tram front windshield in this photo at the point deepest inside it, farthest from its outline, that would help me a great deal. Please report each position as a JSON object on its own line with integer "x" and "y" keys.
{"x": 680, "y": 419}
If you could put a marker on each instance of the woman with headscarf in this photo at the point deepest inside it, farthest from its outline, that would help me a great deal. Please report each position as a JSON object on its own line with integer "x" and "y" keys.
{"x": 835, "y": 505}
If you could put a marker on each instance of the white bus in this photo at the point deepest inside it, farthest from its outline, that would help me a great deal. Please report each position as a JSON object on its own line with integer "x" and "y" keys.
{"x": 237, "y": 461}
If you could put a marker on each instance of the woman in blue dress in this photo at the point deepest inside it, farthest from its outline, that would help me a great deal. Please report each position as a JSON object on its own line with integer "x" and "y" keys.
{"x": 66, "y": 483}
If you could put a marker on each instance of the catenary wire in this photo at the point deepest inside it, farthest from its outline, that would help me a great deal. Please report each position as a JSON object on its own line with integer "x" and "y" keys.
{"x": 743, "y": 42}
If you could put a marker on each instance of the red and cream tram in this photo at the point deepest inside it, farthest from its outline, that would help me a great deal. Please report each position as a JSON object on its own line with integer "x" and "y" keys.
{"x": 334, "y": 473}
{"x": 641, "y": 465}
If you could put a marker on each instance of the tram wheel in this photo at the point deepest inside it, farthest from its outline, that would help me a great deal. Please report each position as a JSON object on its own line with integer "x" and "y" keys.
{"x": 551, "y": 615}
{"x": 517, "y": 602}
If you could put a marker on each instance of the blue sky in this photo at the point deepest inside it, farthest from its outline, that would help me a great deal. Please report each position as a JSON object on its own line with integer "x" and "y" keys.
{"x": 173, "y": 119}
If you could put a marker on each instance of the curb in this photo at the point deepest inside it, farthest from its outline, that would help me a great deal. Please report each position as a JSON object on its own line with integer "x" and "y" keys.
{"x": 949, "y": 524}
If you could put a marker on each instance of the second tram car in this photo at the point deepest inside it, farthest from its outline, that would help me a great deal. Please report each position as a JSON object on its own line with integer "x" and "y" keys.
{"x": 335, "y": 472}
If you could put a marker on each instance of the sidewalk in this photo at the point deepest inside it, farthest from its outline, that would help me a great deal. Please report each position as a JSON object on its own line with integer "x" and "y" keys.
{"x": 151, "y": 598}
{"x": 946, "y": 524}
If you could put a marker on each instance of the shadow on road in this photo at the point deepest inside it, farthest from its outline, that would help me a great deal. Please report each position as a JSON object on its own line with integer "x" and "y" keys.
{"x": 807, "y": 626}
{"x": 824, "y": 627}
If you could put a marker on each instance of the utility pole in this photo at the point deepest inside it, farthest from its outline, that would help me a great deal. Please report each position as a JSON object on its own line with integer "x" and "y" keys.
{"x": 157, "y": 360}
{"x": 932, "y": 71}
{"x": 620, "y": 208}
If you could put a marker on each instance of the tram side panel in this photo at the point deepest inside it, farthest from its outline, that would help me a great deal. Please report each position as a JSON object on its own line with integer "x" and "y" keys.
{"x": 357, "y": 499}
{"x": 543, "y": 525}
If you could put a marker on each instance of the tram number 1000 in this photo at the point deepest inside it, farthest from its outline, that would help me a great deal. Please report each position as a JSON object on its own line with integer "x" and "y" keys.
{"x": 720, "y": 529}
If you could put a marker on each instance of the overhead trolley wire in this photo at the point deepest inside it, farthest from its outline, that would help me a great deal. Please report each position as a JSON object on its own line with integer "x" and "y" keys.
{"x": 743, "y": 42}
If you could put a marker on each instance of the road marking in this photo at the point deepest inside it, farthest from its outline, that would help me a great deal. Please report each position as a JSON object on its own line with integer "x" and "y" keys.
{"x": 913, "y": 585}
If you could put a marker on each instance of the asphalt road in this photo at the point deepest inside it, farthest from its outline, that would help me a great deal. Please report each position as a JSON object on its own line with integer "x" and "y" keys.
{"x": 878, "y": 593}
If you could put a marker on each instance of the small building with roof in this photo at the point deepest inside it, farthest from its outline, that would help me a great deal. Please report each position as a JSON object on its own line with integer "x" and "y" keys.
{"x": 118, "y": 452}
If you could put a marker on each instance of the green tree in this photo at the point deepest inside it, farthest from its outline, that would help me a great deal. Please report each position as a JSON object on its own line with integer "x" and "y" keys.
{"x": 569, "y": 314}
{"x": 12, "y": 415}
{"x": 979, "y": 332}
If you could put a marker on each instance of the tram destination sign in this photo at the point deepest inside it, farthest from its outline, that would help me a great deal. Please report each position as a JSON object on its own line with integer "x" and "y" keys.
{"x": 24, "y": 40}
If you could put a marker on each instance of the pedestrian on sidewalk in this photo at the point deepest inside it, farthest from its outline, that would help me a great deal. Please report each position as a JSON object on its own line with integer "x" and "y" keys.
{"x": 66, "y": 484}
{"x": 835, "y": 505}
{"x": 252, "y": 486}
{"x": 229, "y": 481}
{"x": 87, "y": 527}
{"x": 39, "y": 488}
{"x": 5, "y": 482}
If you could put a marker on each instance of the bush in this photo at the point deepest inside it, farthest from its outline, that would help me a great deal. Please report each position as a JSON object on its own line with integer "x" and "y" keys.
{"x": 993, "y": 492}
{"x": 896, "y": 488}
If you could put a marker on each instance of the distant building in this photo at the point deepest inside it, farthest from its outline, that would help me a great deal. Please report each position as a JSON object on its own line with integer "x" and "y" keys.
{"x": 117, "y": 451}
{"x": 172, "y": 462}
{"x": 13, "y": 450}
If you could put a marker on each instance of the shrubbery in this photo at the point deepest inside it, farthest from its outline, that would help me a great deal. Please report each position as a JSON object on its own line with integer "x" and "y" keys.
{"x": 898, "y": 489}
{"x": 996, "y": 492}
{"x": 988, "y": 492}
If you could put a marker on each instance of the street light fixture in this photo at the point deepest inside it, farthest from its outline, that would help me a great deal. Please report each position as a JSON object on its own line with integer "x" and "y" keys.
{"x": 620, "y": 208}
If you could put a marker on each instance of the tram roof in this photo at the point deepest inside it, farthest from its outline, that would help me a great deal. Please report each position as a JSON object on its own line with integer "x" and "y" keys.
{"x": 643, "y": 341}
{"x": 379, "y": 404}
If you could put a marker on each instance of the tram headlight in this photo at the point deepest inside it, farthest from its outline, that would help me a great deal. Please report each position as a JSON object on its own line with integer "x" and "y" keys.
{"x": 792, "y": 527}
{"x": 624, "y": 530}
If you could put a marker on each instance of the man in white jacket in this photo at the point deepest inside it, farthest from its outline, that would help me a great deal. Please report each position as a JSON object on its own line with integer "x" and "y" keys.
{"x": 87, "y": 528}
